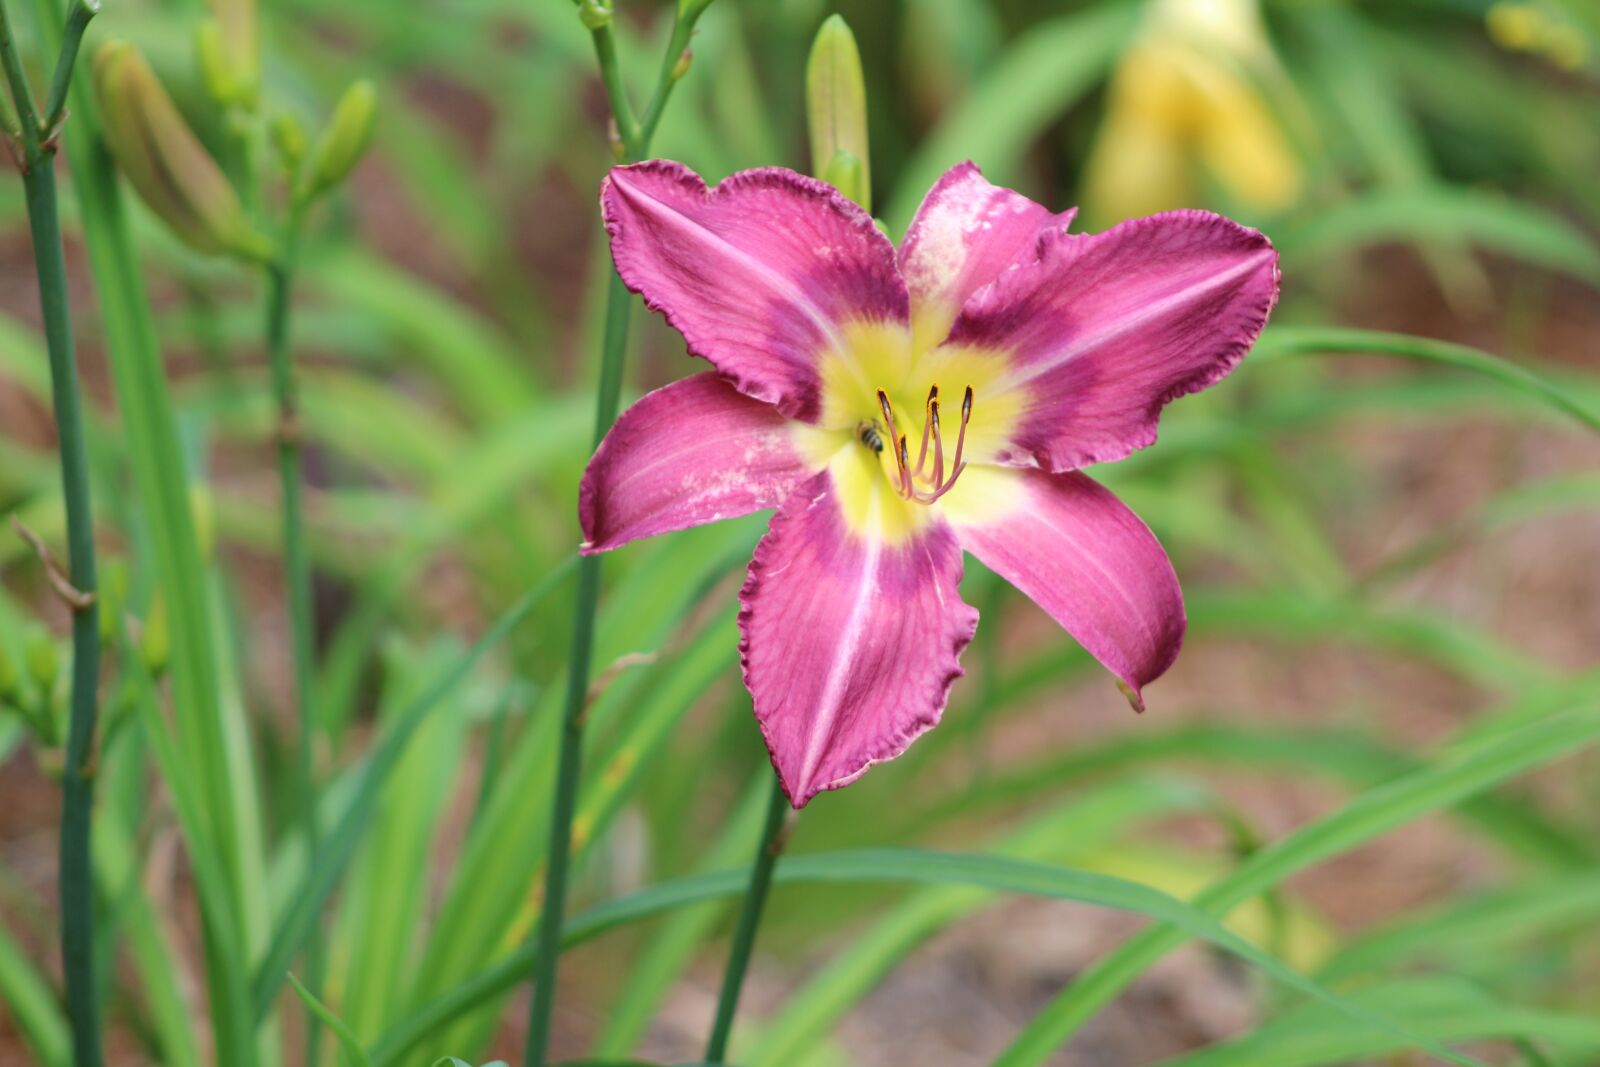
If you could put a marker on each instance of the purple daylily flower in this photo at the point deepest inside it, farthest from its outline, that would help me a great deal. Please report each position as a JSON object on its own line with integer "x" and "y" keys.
{"x": 899, "y": 407}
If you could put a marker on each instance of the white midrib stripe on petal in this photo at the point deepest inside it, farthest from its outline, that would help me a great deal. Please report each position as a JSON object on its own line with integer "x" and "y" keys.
{"x": 781, "y": 284}
{"x": 1129, "y": 323}
{"x": 828, "y": 705}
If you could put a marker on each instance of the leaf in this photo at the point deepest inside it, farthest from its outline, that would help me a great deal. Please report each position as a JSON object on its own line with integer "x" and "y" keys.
{"x": 1441, "y": 212}
{"x": 1370, "y": 815}
{"x": 347, "y": 1038}
{"x": 1295, "y": 340}
{"x": 883, "y": 865}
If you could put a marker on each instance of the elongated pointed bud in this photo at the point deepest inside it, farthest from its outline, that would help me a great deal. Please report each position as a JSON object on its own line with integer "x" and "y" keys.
{"x": 836, "y": 107}
{"x": 847, "y": 173}
{"x": 239, "y": 45}
{"x": 343, "y": 143}
{"x": 217, "y": 72}
{"x": 164, "y": 161}
{"x": 289, "y": 138}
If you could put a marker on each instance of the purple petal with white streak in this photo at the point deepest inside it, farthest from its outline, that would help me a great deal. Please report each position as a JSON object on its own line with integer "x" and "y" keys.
{"x": 1092, "y": 565}
{"x": 1106, "y": 329}
{"x": 850, "y": 645}
{"x": 690, "y": 453}
{"x": 758, "y": 274}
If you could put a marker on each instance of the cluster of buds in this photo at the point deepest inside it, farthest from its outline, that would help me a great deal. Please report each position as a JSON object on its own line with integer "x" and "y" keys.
{"x": 171, "y": 169}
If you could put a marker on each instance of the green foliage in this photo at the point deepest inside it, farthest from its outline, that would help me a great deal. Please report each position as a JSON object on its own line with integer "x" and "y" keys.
{"x": 449, "y": 310}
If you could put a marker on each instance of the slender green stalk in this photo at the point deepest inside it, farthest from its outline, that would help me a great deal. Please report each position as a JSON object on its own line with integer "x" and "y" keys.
{"x": 773, "y": 837}
{"x": 78, "y": 16}
{"x": 75, "y": 876}
{"x": 636, "y": 137}
{"x": 297, "y": 566}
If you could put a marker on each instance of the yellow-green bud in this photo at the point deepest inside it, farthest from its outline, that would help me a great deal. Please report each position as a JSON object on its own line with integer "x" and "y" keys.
{"x": 343, "y": 143}
{"x": 236, "y": 34}
{"x": 43, "y": 659}
{"x": 848, "y": 174}
{"x": 164, "y": 161}
{"x": 217, "y": 73}
{"x": 836, "y": 105}
{"x": 155, "y": 643}
{"x": 595, "y": 14}
{"x": 289, "y": 138}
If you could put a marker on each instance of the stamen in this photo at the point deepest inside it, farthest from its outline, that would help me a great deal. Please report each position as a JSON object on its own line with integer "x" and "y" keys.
{"x": 929, "y": 415}
{"x": 895, "y": 435}
{"x": 907, "y": 476}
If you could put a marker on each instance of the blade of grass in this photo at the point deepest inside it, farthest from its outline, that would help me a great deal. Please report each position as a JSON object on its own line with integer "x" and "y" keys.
{"x": 1370, "y": 815}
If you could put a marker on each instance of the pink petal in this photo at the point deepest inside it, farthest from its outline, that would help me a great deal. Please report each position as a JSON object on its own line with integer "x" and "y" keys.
{"x": 1089, "y": 562}
{"x": 1105, "y": 329}
{"x": 850, "y": 644}
{"x": 690, "y": 453}
{"x": 759, "y": 274}
{"x": 966, "y": 234}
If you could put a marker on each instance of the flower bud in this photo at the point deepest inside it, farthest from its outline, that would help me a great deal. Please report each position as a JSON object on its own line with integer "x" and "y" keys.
{"x": 836, "y": 105}
{"x": 343, "y": 143}
{"x": 217, "y": 73}
{"x": 289, "y": 138}
{"x": 43, "y": 660}
{"x": 595, "y": 14}
{"x": 848, "y": 174}
{"x": 164, "y": 161}
{"x": 238, "y": 45}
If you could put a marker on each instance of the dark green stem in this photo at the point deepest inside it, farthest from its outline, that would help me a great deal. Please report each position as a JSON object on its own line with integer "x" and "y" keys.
{"x": 773, "y": 837}
{"x": 78, "y": 17}
{"x": 297, "y": 568}
{"x": 75, "y": 876}
{"x": 636, "y": 137}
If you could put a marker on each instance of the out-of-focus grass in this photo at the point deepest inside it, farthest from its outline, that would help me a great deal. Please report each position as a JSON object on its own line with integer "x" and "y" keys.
{"x": 447, "y": 330}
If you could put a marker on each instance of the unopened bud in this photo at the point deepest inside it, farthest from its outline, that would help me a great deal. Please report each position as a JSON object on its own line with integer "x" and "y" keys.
{"x": 289, "y": 138}
{"x": 848, "y": 174}
{"x": 236, "y": 35}
{"x": 595, "y": 14}
{"x": 343, "y": 143}
{"x": 836, "y": 105}
{"x": 164, "y": 161}
{"x": 217, "y": 71}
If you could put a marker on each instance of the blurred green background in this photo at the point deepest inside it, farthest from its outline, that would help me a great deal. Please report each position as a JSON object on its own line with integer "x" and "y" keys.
{"x": 1390, "y": 549}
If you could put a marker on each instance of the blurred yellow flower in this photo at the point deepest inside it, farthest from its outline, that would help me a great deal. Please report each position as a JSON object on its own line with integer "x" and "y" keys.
{"x": 1536, "y": 28}
{"x": 1186, "y": 104}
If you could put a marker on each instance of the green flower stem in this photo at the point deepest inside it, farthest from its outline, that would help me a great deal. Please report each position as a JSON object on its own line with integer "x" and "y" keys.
{"x": 636, "y": 137}
{"x": 75, "y": 876}
{"x": 78, "y": 16}
{"x": 774, "y": 835}
{"x": 297, "y": 564}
